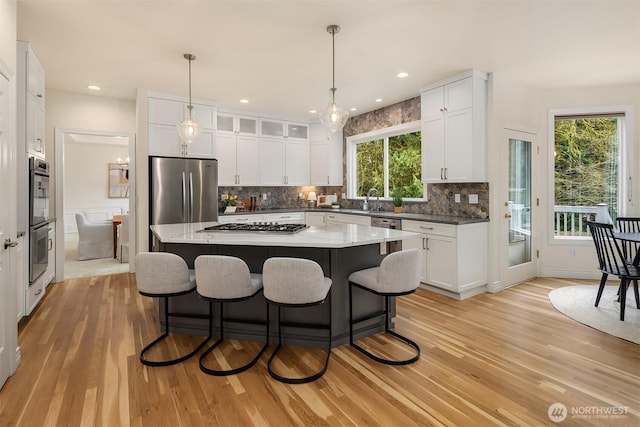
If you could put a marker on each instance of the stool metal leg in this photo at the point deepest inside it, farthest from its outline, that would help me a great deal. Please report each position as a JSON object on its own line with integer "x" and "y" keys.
{"x": 309, "y": 378}
{"x": 387, "y": 331}
{"x": 147, "y": 362}
{"x": 224, "y": 372}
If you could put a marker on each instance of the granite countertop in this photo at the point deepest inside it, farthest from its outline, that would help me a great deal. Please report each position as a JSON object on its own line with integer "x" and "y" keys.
{"x": 332, "y": 236}
{"x": 455, "y": 220}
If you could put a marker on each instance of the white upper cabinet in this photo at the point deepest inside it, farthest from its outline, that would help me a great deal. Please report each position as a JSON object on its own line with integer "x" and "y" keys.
{"x": 325, "y": 156}
{"x": 284, "y": 153}
{"x": 454, "y": 128}
{"x": 237, "y": 149}
{"x": 278, "y": 128}
{"x": 164, "y": 140}
{"x": 238, "y": 159}
{"x": 240, "y": 125}
{"x": 30, "y": 101}
{"x": 284, "y": 162}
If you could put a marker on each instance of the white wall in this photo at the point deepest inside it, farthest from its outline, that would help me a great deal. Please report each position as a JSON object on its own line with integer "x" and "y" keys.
{"x": 514, "y": 105}
{"x": 86, "y": 181}
{"x": 8, "y": 31}
{"x": 77, "y": 111}
{"x": 556, "y": 259}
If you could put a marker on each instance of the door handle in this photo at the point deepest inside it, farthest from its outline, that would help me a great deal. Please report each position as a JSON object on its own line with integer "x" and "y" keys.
{"x": 9, "y": 244}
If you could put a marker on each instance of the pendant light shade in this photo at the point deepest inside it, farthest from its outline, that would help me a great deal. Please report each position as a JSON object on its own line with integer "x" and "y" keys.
{"x": 333, "y": 118}
{"x": 189, "y": 130}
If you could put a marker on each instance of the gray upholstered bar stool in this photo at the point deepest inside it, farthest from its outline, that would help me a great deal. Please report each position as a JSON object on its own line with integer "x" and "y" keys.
{"x": 296, "y": 282}
{"x": 225, "y": 279}
{"x": 164, "y": 275}
{"x": 398, "y": 274}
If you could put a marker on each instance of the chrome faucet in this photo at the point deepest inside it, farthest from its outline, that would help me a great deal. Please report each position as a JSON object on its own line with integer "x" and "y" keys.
{"x": 365, "y": 206}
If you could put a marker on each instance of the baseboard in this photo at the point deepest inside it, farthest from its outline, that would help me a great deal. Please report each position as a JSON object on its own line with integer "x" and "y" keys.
{"x": 495, "y": 287}
{"x": 571, "y": 274}
{"x": 18, "y": 359}
{"x": 458, "y": 296}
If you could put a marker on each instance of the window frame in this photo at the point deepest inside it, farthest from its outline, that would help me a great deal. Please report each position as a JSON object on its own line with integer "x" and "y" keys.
{"x": 384, "y": 134}
{"x": 626, "y": 166}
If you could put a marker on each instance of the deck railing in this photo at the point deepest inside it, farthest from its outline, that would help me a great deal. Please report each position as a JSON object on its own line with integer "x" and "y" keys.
{"x": 571, "y": 221}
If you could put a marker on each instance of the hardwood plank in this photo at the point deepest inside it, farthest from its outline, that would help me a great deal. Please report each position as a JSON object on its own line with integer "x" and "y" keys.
{"x": 495, "y": 359}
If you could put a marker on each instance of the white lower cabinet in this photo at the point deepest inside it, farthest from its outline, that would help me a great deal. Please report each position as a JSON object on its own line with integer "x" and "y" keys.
{"x": 315, "y": 219}
{"x": 419, "y": 243}
{"x": 281, "y": 218}
{"x": 454, "y": 256}
{"x": 338, "y": 218}
{"x": 33, "y": 294}
{"x": 285, "y": 218}
{"x": 50, "y": 273}
{"x": 239, "y": 218}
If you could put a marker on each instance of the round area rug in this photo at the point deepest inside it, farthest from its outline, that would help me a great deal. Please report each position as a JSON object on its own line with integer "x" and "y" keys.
{"x": 577, "y": 302}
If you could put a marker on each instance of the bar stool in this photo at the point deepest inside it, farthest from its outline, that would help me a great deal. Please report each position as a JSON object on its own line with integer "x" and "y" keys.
{"x": 398, "y": 274}
{"x": 163, "y": 275}
{"x": 295, "y": 282}
{"x": 225, "y": 279}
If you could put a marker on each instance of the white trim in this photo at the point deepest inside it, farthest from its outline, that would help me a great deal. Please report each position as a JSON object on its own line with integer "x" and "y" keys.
{"x": 59, "y": 190}
{"x": 626, "y": 170}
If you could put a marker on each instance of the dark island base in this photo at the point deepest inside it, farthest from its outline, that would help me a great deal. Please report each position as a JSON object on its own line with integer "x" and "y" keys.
{"x": 336, "y": 264}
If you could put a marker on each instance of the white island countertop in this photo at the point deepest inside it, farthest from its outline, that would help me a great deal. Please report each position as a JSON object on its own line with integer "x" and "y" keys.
{"x": 331, "y": 236}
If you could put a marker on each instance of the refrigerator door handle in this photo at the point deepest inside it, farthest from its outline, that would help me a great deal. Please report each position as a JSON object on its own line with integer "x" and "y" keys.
{"x": 184, "y": 195}
{"x": 190, "y": 197}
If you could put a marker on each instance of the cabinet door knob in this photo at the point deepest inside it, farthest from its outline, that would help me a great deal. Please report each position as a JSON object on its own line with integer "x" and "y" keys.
{"x": 39, "y": 95}
{"x": 507, "y": 215}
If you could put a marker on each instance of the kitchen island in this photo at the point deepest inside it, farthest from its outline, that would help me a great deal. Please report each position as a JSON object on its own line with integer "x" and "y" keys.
{"x": 339, "y": 249}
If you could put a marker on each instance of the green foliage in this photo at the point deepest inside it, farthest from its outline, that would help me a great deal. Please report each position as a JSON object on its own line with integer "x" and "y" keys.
{"x": 405, "y": 165}
{"x": 397, "y": 197}
{"x": 370, "y": 166}
{"x": 586, "y": 162}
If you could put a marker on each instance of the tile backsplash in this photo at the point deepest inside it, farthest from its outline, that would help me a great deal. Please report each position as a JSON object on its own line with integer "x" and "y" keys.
{"x": 440, "y": 198}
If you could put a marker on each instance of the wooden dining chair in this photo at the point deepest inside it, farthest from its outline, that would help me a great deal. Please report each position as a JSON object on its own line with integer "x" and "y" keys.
{"x": 629, "y": 225}
{"x": 612, "y": 261}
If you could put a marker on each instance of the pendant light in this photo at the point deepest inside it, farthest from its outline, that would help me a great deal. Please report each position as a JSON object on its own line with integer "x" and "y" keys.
{"x": 334, "y": 117}
{"x": 189, "y": 130}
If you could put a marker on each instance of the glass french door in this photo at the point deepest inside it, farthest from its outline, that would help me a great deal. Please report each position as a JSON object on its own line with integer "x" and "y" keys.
{"x": 519, "y": 257}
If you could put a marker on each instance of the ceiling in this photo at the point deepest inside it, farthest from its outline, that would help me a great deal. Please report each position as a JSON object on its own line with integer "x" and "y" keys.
{"x": 277, "y": 54}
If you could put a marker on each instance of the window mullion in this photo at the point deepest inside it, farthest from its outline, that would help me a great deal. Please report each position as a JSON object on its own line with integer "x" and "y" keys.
{"x": 385, "y": 190}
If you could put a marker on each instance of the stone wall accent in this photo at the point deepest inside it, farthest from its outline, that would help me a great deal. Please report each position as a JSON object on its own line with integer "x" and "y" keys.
{"x": 277, "y": 197}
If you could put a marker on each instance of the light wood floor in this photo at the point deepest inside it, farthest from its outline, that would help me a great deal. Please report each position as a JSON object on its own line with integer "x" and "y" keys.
{"x": 495, "y": 359}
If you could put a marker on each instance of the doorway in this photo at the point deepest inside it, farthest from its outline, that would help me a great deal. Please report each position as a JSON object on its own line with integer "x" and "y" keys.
{"x": 102, "y": 204}
{"x": 517, "y": 232}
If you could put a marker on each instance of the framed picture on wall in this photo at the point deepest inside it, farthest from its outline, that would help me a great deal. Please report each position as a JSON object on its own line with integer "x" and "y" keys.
{"x": 118, "y": 181}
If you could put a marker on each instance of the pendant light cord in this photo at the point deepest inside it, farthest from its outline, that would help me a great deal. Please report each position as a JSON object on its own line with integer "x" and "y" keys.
{"x": 333, "y": 49}
{"x": 189, "y": 57}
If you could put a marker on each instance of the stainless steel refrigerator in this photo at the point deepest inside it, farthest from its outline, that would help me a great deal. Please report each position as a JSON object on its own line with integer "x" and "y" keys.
{"x": 183, "y": 190}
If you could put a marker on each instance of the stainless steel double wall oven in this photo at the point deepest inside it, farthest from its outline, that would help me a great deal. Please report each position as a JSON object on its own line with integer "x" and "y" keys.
{"x": 38, "y": 218}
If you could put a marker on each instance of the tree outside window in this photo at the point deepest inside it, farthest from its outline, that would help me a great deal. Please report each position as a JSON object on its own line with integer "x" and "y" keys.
{"x": 389, "y": 163}
{"x": 586, "y": 170}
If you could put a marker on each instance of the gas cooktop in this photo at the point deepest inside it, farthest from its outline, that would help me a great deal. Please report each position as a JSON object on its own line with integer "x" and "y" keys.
{"x": 264, "y": 227}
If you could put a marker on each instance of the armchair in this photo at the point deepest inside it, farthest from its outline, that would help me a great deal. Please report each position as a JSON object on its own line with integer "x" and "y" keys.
{"x": 94, "y": 240}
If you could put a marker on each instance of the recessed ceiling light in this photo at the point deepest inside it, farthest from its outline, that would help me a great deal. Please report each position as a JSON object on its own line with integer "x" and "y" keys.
{"x": 352, "y": 109}
{"x": 93, "y": 87}
{"x": 402, "y": 75}
{"x": 379, "y": 100}
{"x": 313, "y": 111}
{"x": 244, "y": 101}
